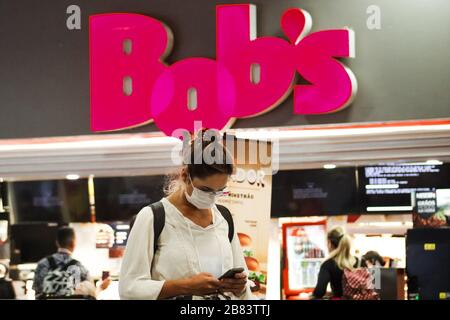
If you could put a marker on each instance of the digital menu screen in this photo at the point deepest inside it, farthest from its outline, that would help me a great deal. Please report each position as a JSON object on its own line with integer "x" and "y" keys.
{"x": 112, "y": 235}
{"x": 30, "y": 242}
{"x": 314, "y": 192}
{"x": 432, "y": 209}
{"x": 120, "y": 198}
{"x": 392, "y": 188}
{"x": 50, "y": 201}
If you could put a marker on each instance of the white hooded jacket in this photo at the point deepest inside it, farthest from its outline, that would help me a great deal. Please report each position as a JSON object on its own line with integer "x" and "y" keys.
{"x": 185, "y": 249}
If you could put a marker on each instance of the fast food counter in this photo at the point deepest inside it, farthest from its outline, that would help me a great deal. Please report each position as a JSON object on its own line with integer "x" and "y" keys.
{"x": 386, "y": 235}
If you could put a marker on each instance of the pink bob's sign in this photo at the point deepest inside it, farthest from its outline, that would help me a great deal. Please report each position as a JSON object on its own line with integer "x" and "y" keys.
{"x": 131, "y": 85}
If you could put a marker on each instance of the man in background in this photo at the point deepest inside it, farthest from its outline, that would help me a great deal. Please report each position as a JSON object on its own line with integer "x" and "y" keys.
{"x": 60, "y": 275}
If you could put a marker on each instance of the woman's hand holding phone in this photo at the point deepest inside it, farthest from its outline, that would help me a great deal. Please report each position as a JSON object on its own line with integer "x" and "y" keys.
{"x": 203, "y": 283}
{"x": 235, "y": 285}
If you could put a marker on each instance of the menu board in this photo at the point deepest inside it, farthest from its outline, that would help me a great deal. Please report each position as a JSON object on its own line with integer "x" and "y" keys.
{"x": 314, "y": 192}
{"x": 112, "y": 235}
{"x": 30, "y": 242}
{"x": 120, "y": 198}
{"x": 61, "y": 201}
{"x": 392, "y": 188}
{"x": 432, "y": 209}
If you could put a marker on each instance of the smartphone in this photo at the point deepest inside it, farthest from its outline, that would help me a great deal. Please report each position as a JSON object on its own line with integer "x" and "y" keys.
{"x": 105, "y": 275}
{"x": 231, "y": 273}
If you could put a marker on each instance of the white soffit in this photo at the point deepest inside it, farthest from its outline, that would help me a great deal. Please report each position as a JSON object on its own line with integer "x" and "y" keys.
{"x": 151, "y": 153}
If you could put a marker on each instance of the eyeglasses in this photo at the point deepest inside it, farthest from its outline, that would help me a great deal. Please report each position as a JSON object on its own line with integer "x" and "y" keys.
{"x": 219, "y": 193}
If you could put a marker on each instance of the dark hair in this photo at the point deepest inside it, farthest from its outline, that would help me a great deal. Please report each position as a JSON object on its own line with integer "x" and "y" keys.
{"x": 207, "y": 142}
{"x": 194, "y": 148}
{"x": 335, "y": 236}
{"x": 373, "y": 257}
{"x": 65, "y": 236}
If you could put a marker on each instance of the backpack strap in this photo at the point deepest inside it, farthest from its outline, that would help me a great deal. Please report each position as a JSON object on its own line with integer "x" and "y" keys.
{"x": 52, "y": 262}
{"x": 159, "y": 220}
{"x": 229, "y": 218}
{"x": 66, "y": 266}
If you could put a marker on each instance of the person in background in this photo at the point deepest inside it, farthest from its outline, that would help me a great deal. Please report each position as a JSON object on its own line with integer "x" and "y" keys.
{"x": 67, "y": 274}
{"x": 6, "y": 287}
{"x": 332, "y": 269}
{"x": 372, "y": 259}
{"x": 193, "y": 250}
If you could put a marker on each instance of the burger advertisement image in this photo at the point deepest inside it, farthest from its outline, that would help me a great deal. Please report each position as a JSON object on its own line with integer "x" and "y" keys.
{"x": 432, "y": 209}
{"x": 249, "y": 201}
{"x": 256, "y": 276}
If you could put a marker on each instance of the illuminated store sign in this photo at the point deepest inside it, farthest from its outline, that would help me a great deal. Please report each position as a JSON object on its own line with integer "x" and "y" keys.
{"x": 131, "y": 85}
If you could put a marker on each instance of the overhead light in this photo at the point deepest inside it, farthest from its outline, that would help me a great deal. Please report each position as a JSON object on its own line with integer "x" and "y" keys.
{"x": 434, "y": 162}
{"x": 393, "y": 208}
{"x": 329, "y": 166}
{"x": 72, "y": 177}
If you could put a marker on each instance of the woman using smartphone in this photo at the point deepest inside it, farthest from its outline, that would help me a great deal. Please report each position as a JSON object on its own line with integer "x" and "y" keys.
{"x": 194, "y": 248}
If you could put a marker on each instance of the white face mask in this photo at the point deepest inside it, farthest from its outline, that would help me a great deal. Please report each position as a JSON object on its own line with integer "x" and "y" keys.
{"x": 201, "y": 199}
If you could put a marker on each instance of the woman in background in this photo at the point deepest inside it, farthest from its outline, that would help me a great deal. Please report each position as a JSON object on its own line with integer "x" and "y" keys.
{"x": 332, "y": 270}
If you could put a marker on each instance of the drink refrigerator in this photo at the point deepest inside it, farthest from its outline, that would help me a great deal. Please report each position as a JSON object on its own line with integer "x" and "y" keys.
{"x": 304, "y": 249}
